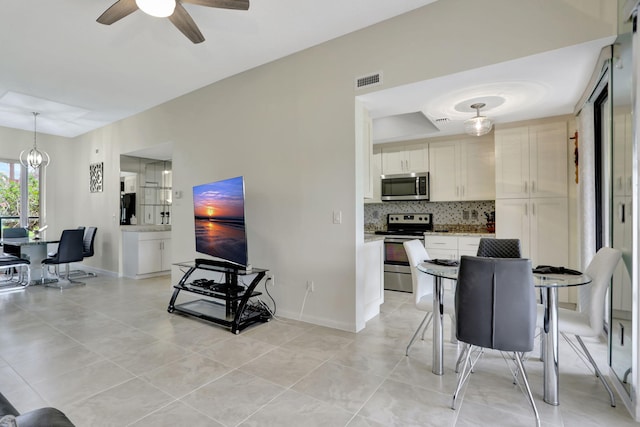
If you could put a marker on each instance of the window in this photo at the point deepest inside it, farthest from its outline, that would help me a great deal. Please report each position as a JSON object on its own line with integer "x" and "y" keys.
{"x": 19, "y": 195}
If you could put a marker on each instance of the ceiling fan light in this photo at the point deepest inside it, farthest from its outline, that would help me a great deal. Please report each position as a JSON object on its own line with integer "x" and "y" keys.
{"x": 157, "y": 8}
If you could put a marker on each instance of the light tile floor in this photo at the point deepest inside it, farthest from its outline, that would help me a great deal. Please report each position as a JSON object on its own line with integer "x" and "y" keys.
{"x": 109, "y": 354}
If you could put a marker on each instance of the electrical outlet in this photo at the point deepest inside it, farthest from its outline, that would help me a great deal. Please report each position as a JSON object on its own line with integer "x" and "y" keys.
{"x": 465, "y": 214}
{"x": 310, "y": 285}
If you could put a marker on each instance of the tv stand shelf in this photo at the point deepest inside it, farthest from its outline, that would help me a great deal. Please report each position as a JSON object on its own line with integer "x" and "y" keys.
{"x": 228, "y": 305}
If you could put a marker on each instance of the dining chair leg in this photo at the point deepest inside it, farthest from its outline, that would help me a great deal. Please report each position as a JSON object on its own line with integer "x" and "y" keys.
{"x": 598, "y": 373}
{"x": 427, "y": 318}
{"x": 463, "y": 375}
{"x": 526, "y": 385}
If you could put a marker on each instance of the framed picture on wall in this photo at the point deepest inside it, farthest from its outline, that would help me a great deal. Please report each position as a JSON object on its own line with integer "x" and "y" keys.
{"x": 95, "y": 177}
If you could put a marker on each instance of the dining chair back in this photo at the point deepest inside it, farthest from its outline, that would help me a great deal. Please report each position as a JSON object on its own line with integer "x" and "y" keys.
{"x": 422, "y": 286}
{"x": 12, "y": 233}
{"x": 495, "y": 306}
{"x": 499, "y": 248}
{"x": 69, "y": 250}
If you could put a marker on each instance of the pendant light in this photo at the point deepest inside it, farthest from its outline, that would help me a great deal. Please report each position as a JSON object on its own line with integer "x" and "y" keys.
{"x": 34, "y": 157}
{"x": 478, "y": 125}
{"x": 157, "y": 8}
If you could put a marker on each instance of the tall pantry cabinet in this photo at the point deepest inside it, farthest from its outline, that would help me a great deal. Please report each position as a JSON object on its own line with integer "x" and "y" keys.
{"x": 531, "y": 190}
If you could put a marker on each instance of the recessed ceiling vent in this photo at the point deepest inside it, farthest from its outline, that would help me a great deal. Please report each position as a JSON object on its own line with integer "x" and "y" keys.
{"x": 369, "y": 80}
{"x": 442, "y": 120}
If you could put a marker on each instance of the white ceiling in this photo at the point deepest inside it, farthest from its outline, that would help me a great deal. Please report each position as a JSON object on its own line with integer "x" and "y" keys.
{"x": 81, "y": 75}
{"x": 543, "y": 85}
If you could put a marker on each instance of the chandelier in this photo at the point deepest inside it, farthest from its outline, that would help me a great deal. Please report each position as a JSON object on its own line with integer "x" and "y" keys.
{"x": 478, "y": 125}
{"x": 34, "y": 157}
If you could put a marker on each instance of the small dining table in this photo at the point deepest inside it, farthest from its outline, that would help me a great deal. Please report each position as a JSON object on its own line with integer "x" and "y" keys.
{"x": 35, "y": 250}
{"x": 548, "y": 283}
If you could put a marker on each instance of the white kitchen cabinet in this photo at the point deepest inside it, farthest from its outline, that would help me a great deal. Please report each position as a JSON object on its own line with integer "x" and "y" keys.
{"x": 462, "y": 170}
{"x": 622, "y": 232}
{"x": 468, "y": 245}
{"x": 146, "y": 254}
{"x": 364, "y": 137}
{"x": 451, "y": 246}
{"x": 405, "y": 158}
{"x": 531, "y": 161}
{"x": 542, "y": 225}
{"x": 376, "y": 170}
{"x": 373, "y": 278}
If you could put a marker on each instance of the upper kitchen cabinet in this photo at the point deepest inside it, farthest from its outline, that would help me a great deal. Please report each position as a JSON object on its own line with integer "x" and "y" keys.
{"x": 376, "y": 170}
{"x": 531, "y": 161}
{"x": 463, "y": 169}
{"x": 405, "y": 158}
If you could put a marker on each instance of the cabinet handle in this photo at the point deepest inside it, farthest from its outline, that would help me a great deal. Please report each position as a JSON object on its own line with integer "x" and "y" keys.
{"x": 533, "y": 209}
{"x": 629, "y": 183}
{"x": 533, "y": 186}
{"x": 457, "y": 191}
{"x": 621, "y": 212}
{"x": 619, "y": 183}
{"x": 526, "y": 210}
{"x": 462, "y": 190}
{"x": 525, "y": 187}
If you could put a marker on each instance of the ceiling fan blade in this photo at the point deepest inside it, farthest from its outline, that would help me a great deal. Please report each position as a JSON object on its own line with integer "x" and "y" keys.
{"x": 183, "y": 21}
{"x": 117, "y": 11}
{"x": 223, "y": 4}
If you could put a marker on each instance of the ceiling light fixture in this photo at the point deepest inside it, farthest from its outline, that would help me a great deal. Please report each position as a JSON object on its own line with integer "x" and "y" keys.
{"x": 157, "y": 8}
{"x": 34, "y": 157}
{"x": 478, "y": 125}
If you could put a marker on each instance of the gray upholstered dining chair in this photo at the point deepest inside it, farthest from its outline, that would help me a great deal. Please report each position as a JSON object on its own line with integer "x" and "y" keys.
{"x": 422, "y": 285}
{"x": 499, "y": 248}
{"x": 495, "y": 309}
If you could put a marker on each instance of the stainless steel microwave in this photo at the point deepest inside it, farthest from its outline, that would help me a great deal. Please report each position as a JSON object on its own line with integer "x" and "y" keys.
{"x": 405, "y": 186}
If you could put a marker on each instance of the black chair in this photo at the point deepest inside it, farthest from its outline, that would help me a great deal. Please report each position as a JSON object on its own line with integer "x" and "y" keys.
{"x": 69, "y": 250}
{"x": 87, "y": 251}
{"x": 495, "y": 309}
{"x": 10, "y": 266}
{"x": 13, "y": 233}
{"x": 499, "y": 248}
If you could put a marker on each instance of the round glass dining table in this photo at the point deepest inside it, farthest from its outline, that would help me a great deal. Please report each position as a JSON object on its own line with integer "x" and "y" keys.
{"x": 548, "y": 284}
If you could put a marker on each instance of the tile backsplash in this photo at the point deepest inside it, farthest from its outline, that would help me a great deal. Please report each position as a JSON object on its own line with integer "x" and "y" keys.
{"x": 468, "y": 213}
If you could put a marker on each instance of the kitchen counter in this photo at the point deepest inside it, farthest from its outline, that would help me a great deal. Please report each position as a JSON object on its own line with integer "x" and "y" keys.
{"x": 144, "y": 228}
{"x": 370, "y": 237}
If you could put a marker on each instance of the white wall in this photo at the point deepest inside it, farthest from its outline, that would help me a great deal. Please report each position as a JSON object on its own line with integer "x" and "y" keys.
{"x": 288, "y": 127}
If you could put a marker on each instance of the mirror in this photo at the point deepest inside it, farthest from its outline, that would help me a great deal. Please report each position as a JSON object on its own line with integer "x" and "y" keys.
{"x": 145, "y": 191}
{"x": 621, "y": 210}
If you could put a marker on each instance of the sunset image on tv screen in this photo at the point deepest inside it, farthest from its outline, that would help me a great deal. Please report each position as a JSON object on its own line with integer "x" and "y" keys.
{"x": 219, "y": 220}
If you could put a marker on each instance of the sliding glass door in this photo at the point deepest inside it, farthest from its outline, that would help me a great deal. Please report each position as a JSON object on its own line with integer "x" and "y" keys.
{"x": 20, "y": 195}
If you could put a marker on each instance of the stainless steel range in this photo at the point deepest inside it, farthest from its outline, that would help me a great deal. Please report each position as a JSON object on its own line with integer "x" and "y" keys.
{"x": 401, "y": 228}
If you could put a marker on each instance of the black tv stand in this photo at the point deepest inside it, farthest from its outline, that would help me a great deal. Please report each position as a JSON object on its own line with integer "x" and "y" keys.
{"x": 228, "y": 303}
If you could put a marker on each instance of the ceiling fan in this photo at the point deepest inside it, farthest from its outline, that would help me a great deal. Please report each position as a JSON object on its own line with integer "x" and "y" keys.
{"x": 171, "y": 9}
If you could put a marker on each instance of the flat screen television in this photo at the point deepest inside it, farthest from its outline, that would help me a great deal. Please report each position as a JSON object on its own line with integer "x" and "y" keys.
{"x": 219, "y": 220}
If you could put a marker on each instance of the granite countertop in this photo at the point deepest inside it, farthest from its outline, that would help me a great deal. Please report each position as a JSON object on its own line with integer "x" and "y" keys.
{"x": 144, "y": 228}
{"x": 370, "y": 237}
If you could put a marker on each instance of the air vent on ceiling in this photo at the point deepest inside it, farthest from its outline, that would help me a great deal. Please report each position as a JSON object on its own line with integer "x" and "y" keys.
{"x": 374, "y": 79}
{"x": 442, "y": 120}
